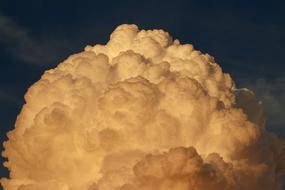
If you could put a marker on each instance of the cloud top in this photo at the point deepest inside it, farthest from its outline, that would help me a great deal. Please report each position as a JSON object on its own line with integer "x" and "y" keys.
{"x": 142, "y": 112}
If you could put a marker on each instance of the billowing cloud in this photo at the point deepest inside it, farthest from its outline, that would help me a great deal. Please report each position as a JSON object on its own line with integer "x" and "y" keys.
{"x": 143, "y": 112}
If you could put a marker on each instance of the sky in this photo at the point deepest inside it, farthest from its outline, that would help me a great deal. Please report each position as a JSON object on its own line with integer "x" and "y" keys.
{"x": 247, "y": 39}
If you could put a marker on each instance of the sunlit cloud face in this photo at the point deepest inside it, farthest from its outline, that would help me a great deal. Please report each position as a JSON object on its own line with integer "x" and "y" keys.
{"x": 142, "y": 112}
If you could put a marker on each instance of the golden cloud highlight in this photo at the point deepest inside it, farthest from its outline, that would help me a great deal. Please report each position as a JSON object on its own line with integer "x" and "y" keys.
{"x": 143, "y": 112}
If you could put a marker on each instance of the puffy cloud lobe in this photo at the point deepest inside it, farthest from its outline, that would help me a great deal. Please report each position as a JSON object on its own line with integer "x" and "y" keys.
{"x": 133, "y": 114}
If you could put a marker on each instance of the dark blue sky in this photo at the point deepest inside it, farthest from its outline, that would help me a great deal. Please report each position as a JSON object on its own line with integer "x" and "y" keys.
{"x": 247, "y": 38}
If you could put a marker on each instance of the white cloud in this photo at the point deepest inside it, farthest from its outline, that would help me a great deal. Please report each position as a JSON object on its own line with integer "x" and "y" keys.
{"x": 142, "y": 112}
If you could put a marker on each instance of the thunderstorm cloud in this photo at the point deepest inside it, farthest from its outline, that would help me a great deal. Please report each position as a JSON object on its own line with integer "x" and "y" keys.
{"x": 143, "y": 112}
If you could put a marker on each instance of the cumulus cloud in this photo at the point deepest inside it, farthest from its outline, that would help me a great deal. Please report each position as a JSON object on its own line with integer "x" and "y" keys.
{"x": 142, "y": 112}
{"x": 22, "y": 45}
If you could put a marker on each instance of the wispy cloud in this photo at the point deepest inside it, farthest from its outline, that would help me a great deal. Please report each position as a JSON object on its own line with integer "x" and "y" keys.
{"x": 272, "y": 93}
{"x": 18, "y": 42}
